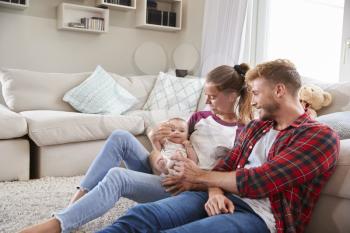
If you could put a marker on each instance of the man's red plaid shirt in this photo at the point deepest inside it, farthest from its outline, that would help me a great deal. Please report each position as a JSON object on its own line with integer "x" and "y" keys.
{"x": 299, "y": 163}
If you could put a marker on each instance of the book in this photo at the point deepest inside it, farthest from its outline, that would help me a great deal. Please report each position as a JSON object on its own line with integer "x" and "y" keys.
{"x": 76, "y": 25}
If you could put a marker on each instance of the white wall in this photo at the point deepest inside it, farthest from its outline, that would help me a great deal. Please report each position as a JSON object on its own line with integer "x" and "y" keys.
{"x": 29, "y": 39}
{"x": 345, "y": 61}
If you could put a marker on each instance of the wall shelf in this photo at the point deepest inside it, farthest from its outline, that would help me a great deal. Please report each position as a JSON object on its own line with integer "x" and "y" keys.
{"x": 69, "y": 17}
{"x": 163, "y": 6}
{"x": 116, "y": 5}
{"x": 16, "y": 4}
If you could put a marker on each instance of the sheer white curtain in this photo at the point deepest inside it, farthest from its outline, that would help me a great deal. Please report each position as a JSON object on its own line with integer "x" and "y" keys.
{"x": 222, "y": 33}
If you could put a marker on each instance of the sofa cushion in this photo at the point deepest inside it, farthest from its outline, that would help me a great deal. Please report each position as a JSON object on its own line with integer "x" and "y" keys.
{"x": 14, "y": 160}
{"x": 139, "y": 86}
{"x": 100, "y": 94}
{"x": 339, "y": 122}
{"x": 339, "y": 183}
{"x": 12, "y": 125}
{"x": 28, "y": 90}
{"x": 25, "y": 90}
{"x": 175, "y": 94}
{"x": 58, "y": 127}
{"x": 341, "y": 98}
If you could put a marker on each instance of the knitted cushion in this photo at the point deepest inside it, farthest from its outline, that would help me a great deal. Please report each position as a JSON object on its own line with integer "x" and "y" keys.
{"x": 339, "y": 122}
{"x": 172, "y": 93}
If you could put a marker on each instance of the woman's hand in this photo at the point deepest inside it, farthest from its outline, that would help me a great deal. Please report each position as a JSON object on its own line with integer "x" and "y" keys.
{"x": 186, "y": 143}
{"x": 218, "y": 203}
{"x": 161, "y": 165}
{"x": 157, "y": 163}
{"x": 191, "y": 153}
{"x": 158, "y": 135}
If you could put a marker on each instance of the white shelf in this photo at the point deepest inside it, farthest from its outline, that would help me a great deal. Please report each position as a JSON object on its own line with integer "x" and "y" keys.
{"x": 15, "y": 4}
{"x": 162, "y": 5}
{"x": 116, "y": 6}
{"x": 71, "y": 13}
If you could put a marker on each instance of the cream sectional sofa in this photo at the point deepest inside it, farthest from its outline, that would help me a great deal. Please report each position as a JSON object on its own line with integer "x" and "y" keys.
{"x": 63, "y": 142}
{"x": 14, "y": 146}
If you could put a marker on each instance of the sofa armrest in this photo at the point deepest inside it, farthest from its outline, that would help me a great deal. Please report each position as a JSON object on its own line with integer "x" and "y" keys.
{"x": 12, "y": 124}
{"x": 339, "y": 183}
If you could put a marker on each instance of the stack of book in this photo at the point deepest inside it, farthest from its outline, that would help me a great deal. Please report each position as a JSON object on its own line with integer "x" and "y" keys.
{"x": 22, "y": 2}
{"x": 93, "y": 23}
{"x": 120, "y": 2}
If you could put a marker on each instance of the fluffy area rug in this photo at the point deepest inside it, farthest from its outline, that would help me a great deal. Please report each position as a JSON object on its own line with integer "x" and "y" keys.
{"x": 23, "y": 203}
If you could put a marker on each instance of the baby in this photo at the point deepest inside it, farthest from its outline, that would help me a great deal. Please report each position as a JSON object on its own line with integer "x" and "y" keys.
{"x": 176, "y": 142}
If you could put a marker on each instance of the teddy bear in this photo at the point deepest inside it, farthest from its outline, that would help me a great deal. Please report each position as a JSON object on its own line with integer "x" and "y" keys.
{"x": 313, "y": 98}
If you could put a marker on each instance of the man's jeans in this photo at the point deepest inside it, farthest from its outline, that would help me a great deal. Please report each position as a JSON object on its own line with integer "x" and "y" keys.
{"x": 106, "y": 182}
{"x": 185, "y": 213}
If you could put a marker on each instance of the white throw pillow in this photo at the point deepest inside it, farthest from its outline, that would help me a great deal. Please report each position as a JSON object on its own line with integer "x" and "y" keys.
{"x": 100, "y": 94}
{"x": 172, "y": 93}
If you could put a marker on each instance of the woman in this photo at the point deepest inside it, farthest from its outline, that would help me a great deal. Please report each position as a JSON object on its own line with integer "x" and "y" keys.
{"x": 105, "y": 182}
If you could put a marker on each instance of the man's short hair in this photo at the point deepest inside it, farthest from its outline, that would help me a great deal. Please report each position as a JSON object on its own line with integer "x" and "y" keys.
{"x": 277, "y": 71}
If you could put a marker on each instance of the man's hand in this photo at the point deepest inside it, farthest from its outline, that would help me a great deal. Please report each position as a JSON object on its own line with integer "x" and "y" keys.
{"x": 186, "y": 169}
{"x": 182, "y": 176}
{"x": 218, "y": 203}
{"x": 175, "y": 185}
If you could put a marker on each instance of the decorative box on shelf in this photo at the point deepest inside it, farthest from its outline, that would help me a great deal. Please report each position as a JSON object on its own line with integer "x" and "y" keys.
{"x": 117, "y": 4}
{"x": 164, "y": 18}
{"x": 163, "y": 15}
{"x": 82, "y": 18}
{"x": 17, "y": 4}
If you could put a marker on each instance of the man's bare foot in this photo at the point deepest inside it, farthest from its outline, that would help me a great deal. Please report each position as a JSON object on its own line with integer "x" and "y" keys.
{"x": 77, "y": 196}
{"x": 50, "y": 226}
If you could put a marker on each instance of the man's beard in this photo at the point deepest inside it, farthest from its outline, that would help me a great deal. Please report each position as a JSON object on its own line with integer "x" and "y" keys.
{"x": 268, "y": 112}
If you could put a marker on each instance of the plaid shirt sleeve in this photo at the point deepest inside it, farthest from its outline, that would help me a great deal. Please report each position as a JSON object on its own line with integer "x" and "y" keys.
{"x": 310, "y": 152}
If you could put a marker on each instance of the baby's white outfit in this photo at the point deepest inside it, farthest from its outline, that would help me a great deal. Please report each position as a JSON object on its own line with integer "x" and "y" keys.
{"x": 169, "y": 149}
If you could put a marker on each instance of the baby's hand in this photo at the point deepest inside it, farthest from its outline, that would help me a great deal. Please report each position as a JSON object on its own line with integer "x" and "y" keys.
{"x": 186, "y": 143}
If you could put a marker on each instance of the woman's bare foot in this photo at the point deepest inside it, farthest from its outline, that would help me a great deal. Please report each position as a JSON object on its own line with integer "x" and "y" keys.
{"x": 77, "y": 196}
{"x": 50, "y": 226}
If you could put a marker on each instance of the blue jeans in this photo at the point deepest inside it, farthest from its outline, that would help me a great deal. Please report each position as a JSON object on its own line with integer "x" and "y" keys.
{"x": 106, "y": 182}
{"x": 185, "y": 213}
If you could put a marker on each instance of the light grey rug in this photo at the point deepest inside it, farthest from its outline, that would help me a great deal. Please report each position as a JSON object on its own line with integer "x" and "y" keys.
{"x": 23, "y": 203}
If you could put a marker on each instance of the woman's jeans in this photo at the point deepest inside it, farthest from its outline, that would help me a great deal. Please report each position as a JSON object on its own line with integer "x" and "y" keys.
{"x": 185, "y": 213}
{"x": 106, "y": 182}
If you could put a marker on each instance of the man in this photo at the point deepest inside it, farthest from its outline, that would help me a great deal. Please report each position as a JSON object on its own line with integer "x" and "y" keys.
{"x": 269, "y": 183}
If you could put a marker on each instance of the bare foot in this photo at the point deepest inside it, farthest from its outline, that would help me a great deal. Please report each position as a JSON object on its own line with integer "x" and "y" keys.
{"x": 50, "y": 226}
{"x": 77, "y": 196}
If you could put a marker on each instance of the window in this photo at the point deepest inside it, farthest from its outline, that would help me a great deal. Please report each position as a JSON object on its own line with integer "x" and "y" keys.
{"x": 308, "y": 32}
